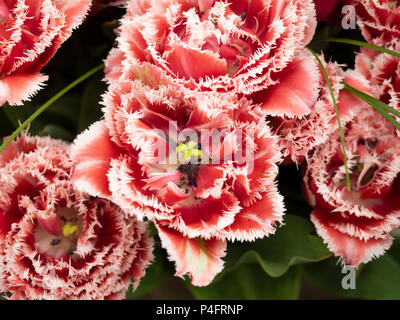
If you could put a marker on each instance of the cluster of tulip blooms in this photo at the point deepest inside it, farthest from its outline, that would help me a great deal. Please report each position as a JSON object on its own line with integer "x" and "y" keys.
{"x": 205, "y": 99}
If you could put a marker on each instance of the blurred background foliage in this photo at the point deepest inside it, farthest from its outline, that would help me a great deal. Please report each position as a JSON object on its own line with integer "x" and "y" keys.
{"x": 292, "y": 264}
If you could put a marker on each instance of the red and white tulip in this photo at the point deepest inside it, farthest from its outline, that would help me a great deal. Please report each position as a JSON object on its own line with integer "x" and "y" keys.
{"x": 56, "y": 242}
{"x": 156, "y": 156}
{"x": 31, "y": 32}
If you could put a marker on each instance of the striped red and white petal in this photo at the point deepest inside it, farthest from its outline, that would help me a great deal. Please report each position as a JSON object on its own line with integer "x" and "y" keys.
{"x": 32, "y": 33}
{"x": 351, "y": 249}
{"x": 206, "y": 217}
{"x": 108, "y": 249}
{"x": 296, "y": 92}
{"x": 176, "y": 37}
{"x": 92, "y": 152}
{"x": 259, "y": 219}
{"x": 16, "y": 88}
{"x": 199, "y": 258}
{"x": 378, "y": 20}
{"x": 300, "y": 136}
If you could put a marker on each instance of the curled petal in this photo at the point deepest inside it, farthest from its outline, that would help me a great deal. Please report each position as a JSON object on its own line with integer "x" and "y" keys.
{"x": 189, "y": 64}
{"x": 32, "y": 32}
{"x": 199, "y": 258}
{"x": 56, "y": 242}
{"x": 18, "y": 87}
{"x": 257, "y": 220}
{"x": 352, "y": 250}
{"x": 296, "y": 92}
{"x": 92, "y": 152}
{"x": 210, "y": 181}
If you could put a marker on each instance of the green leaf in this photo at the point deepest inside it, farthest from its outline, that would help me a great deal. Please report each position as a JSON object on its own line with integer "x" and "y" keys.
{"x": 291, "y": 245}
{"x": 379, "y": 279}
{"x": 379, "y": 106}
{"x": 249, "y": 282}
{"x": 363, "y": 44}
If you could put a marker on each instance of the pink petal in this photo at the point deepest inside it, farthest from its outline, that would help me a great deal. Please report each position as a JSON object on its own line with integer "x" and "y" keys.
{"x": 51, "y": 223}
{"x": 161, "y": 179}
{"x": 174, "y": 194}
{"x": 205, "y": 5}
{"x": 210, "y": 181}
{"x": 74, "y": 11}
{"x": 92, "y": 151}
{"x": 188, "y": 63}
{"x": 199, "y": 258}
{"x": 208, "y": 216}
{"x": 21, "y": 86}
{"x": 352, "y": 250}
{"x": 258, "y": 220}
{"x": 113, "y": 65}
{"x": 349, "y": 103}
{"x": 199, "y": 119}
{"x": 296, "y": 92}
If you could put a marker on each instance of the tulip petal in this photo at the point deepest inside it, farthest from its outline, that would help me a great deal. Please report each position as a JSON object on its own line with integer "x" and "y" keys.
{"x": 258, "y": 220}
{"x": 92, "y": 152}
{"x": 21, "y": 86}
{"x": 352, "y": 250}
{"x": 296, "y": 92}
{"x": 188, "y": 63}
{"x": 199, "y": 258}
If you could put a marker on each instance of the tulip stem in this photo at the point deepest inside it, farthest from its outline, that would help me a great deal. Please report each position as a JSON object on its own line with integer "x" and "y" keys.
{"x": 337, "y": 116}
{"x": 39, "y": 111}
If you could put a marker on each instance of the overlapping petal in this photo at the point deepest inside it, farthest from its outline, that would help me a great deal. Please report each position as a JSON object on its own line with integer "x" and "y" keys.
{"x": 224, "y": 46}
{"x": 356, "y": 224}
{"x": 31, "y": 33}
{"x": 379, "y": 20}
{"x": 193, "y": 163}
{"x": 300, "y": 136}
{"x": 59, "y": 243}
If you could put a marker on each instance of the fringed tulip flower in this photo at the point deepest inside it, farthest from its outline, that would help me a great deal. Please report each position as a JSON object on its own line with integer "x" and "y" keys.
{"x": 379, "y": 20}
{"x": 31, "y": 32}
{"x": 300, "y": 136}
{"x": 254, "y": 48}
{"x": 59, "y": 243}
{"x": 195, "y": 165}
{"x": 357, "y": 223}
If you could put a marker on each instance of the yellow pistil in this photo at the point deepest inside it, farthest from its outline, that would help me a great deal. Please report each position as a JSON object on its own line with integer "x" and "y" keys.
{"x": 69, "y": 229}
{"x": 187, "y": 151}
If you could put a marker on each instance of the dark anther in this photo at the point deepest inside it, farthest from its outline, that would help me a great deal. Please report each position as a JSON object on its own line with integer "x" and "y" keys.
{"x": 55, "y": 242}
{"x": 190, "y": 170}
{"x": 372, "y": 143}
